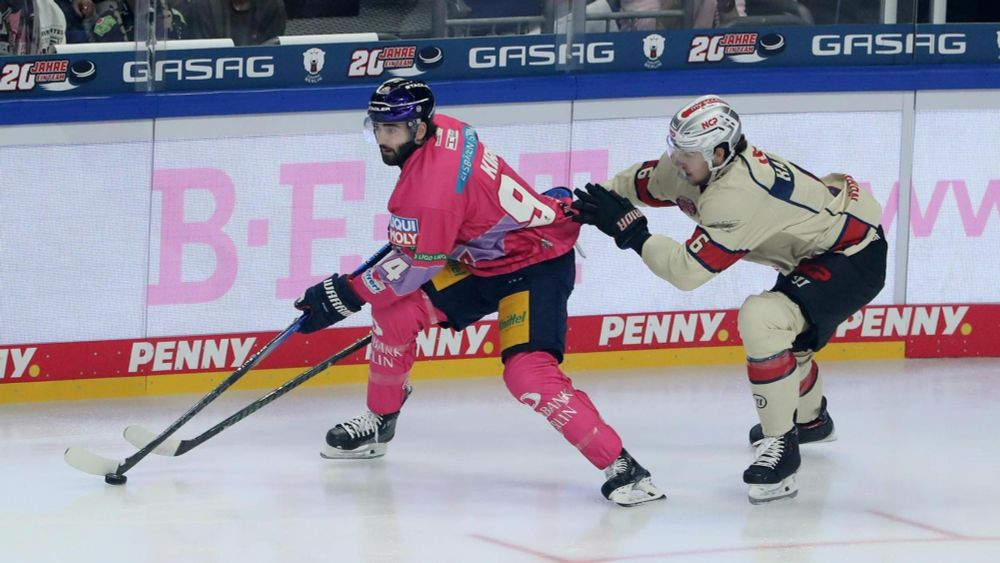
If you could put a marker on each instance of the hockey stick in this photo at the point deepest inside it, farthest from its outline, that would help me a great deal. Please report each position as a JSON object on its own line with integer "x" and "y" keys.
{"x": 141, "y": 437}
{"x": 113, "y": 470}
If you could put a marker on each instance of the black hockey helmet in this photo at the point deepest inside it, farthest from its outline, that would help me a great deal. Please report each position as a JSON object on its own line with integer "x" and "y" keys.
{"x": 401, "y": 100}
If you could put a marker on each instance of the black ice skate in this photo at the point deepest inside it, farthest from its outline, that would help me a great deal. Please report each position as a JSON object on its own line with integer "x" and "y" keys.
{"x": 628, "y": 483}
{"x": 818, "y": 430}
{"x": 362, "y": 437}
{"x": 772, "y": 475}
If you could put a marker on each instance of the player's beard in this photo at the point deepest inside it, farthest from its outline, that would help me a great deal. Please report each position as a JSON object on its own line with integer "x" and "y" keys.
{"x": 396, "y": 157}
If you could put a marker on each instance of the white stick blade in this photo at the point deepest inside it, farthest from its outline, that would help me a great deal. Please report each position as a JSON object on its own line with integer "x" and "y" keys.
{"x": 92, "y": 463}
{"x": 140, "y": 437}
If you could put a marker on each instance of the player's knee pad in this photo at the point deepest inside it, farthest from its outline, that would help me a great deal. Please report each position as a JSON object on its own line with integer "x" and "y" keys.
{"x": 768, "y": 324}
{"x": 394, "y": 333}
{"x": 399, "y": 322}
{"x": 534, "y": 377}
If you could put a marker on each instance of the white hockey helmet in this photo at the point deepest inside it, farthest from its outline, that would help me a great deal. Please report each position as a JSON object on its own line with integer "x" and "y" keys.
{"x": 704, "y": 124}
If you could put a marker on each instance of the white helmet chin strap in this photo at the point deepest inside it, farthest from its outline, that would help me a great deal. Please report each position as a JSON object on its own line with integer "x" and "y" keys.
{"x": 714, "y": 171}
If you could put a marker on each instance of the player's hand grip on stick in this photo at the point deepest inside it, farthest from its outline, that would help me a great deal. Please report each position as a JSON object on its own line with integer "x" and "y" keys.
{"x": 328, "y": 303}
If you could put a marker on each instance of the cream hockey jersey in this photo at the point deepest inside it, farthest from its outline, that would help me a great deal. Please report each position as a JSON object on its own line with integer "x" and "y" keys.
{"x": 761, "y": 208}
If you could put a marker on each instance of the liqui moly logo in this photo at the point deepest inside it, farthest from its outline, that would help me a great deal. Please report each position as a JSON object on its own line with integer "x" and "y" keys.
{"x": 403, "y": 231}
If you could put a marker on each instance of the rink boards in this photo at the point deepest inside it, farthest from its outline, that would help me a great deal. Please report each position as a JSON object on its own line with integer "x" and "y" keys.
{"x": 115, "y": 368}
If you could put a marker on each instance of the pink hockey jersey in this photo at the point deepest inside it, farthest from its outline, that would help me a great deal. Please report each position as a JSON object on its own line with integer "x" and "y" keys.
{"x": 456, "y": 200}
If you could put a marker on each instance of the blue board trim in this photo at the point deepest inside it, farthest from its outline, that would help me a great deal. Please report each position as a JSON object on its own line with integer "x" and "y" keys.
{"x": 499, "y": 91}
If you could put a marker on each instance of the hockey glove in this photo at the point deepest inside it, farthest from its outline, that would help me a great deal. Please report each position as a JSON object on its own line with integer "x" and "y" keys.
{"x": 328, "y": 303}
{"x": 614, "y": 215}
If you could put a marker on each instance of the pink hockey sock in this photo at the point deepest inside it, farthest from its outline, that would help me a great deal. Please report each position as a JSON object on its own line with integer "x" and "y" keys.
{"x": 534, "y": 378}
{"x": 394, "y": 348}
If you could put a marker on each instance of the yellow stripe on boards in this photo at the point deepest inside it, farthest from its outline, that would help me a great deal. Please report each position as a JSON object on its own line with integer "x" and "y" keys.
{"x": 37, "y": 391}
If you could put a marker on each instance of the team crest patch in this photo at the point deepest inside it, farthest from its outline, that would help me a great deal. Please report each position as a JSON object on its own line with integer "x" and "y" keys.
{"x": 652, "y": 47}
{"x": 313, "y": 60}
{"x": 403, "y": 231}
{"x": 687, "y": 206}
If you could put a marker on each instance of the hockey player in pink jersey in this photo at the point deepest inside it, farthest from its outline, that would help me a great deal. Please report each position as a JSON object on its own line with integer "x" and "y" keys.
{"x": 821, "y": 234}
{"x": 469, "y": 238}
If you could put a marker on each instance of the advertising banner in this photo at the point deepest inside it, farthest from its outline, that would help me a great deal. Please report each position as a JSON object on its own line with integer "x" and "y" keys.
{"x": 194, "y": 363}
{"x": 339, "y": 64}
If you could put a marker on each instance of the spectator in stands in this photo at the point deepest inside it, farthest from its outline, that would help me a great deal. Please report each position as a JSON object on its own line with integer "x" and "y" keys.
{"x": 707, "y": 14}
{"x": 246, "y": 22}
{"x": 648, "y": 24}
{"x": 715, "y": 13}
{"x": 30, "y": 26}
{"x": 79, "y": 19}
{"x": 116, "y": 22}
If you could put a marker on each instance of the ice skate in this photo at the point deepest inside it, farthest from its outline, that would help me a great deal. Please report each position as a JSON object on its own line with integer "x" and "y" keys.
{"x": 772, "y": 475}
{"x": 362, "y": 437}
{"x": 629, "y": 484}
{"x": 817, "y": 430}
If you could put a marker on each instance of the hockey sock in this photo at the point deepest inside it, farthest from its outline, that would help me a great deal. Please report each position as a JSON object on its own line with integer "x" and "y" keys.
{"x": 534, "y": 378}
{"x": 810, "y": 387}
{"x": 775, "y": 391}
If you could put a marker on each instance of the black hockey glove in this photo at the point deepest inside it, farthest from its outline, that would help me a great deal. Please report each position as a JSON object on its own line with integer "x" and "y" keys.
{"x": 614, "y": 215}
{"x": 328, "y": 303}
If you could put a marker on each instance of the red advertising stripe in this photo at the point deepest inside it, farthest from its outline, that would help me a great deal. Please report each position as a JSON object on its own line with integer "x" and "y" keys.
{"x": 952, "y": 330}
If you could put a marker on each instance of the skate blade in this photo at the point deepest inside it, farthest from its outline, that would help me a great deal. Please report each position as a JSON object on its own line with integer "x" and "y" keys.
{"x": 764, "y": 493}
{"x": 365, "y": 452}
{"x": 831, "y": 438}
{"x": 635, "y": 494}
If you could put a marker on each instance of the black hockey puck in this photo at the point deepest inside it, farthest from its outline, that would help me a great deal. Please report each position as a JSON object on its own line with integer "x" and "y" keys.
{"x": 772, "y": 43}
{"x": 82, "y": 71}
{"x": 430, "y": 57}
{"x": 115, "y": 479}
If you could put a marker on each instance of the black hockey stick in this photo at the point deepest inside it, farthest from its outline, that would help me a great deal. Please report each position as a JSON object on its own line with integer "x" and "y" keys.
{"x": 141, "y": 437}
{"x": 113, "y": 470}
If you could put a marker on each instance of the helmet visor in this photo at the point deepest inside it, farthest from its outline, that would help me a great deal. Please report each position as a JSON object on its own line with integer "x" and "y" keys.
{"x": 392, "y": 134}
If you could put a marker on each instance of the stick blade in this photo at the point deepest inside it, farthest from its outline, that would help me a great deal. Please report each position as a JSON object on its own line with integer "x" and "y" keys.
{"x": 89, "y": 462}
{"x": 140, "y": 437}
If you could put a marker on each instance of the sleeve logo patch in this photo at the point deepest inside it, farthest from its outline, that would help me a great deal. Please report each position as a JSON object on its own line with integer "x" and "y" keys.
{"x": 403, "y": 231}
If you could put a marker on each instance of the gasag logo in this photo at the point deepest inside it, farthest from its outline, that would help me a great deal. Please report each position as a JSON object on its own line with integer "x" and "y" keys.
{"x": 653, "y": 46}
{"x": 54, "y": 75}
{"x": 747, "y": 47}
{"x": 889, "y": 44}
{"x": 313, "y": 60}
{"x": 403, "y": 60}
{"x": 541, "y": 55}
{"x": 199, "y": 69}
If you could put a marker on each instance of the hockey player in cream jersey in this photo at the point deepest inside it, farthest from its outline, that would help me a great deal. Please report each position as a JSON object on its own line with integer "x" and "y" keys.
{"x": 821, "y": 234}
